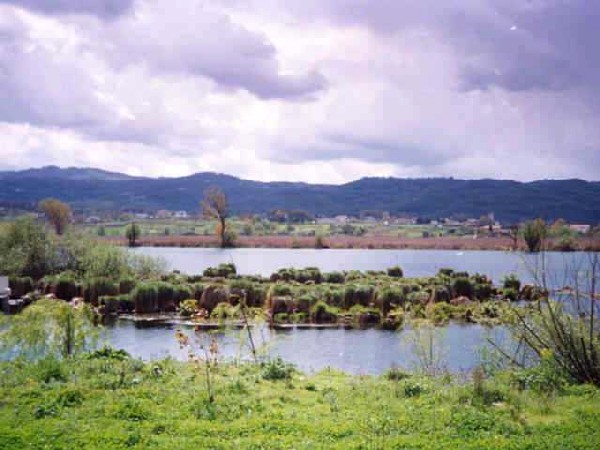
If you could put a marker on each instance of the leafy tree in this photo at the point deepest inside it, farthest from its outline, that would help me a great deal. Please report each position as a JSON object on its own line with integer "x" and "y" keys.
{"x": 216, "y": 206}
{"x": 49, "y": 328}
{"x": 57, "y": 213}
{"x": 25, "y": 250}
{"x": 132, "y": 233}
{"x": 534, "y": 233}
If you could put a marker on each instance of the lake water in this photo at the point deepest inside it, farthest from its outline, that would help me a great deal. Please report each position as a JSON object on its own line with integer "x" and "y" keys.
{"x": 557, "y": 266}
{"x": 457, "y": 347}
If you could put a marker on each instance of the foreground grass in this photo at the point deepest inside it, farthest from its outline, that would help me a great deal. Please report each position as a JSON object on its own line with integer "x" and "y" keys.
{"x": 106, "y": 403}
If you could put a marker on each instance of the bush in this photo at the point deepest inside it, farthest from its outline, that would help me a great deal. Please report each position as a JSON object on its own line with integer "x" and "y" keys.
{"x": 222, "y": 270}
{"x": 395, "y": 272}
{"x": 20, "y": 286}
{"x": 395, "y": 374}
{"x": 511, "y": 282}
{"x": 224, "y": 311}
{"x": 510, "y": 294}
{"x": 534, "y": 233}
{"x": 126, "y": 285}
{"x": 99, "y": 287}
{"x": 413, "y": 389}
{"x": 321, "y": 312}
{"x": 188, "y": 307}
{"x": 358, "y": 294}
{"x": 109, "y": 305}
{"x": 145, "y": 298}
{"x": 462, "y": 287}
{"x": 440, "y": 313}
{"x": 334, "y": 278}
{"x": 126, "y": 304}
{"x": 277, "y": 369}
{"x": 482, "y": 291}
{"x": 390, "y": 297}
{"x": 65, "y": 288}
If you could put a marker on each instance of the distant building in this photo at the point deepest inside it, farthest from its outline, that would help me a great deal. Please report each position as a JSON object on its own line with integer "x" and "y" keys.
{"x": 342, "y": 219}
{"x": 163, "y": 214}
{"x": 93, "y": 219}
{"x": 181, "y": 215}
{"x": 580, "y": 228}
{"x": 326, "y": 221}
{"x": 142, "y": 216}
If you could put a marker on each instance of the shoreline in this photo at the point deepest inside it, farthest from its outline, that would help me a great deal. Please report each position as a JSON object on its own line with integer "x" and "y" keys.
{"x": 358, "y": 242}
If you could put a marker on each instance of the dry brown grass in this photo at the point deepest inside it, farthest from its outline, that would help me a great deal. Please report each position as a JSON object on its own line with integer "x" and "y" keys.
{"x": 358, "y": 242}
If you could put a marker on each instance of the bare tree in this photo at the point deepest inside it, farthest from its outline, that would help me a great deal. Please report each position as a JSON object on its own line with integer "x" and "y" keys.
{"x": 215, "y": 206}
{"x": 57, "y": 213}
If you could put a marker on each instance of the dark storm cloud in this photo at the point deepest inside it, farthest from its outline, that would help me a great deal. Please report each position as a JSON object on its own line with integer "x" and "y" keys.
{"x": 546, "y": 45}
{"x": 100, "y": 8}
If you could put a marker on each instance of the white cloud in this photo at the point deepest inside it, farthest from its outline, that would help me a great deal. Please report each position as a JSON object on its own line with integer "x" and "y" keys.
{"x": 168, "y": 89}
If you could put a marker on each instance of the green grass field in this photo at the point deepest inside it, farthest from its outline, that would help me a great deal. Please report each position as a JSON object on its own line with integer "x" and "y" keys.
{"x": 106, "y": 403}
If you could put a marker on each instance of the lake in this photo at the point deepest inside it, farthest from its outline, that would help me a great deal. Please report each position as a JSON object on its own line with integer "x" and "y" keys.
{"x": 415, "y": 263}
{"x": 353, "y": 351}
{"x": 371, "y": 351}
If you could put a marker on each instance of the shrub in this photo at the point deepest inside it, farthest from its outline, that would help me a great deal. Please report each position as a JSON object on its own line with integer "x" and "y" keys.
{"x": 222, "y": 270}
{"x": 534, "y": 234}
{"x": 254, "y": 293}
{"x": 334, "y": 278}
{"x": 49, "y": 328}
{"x": 395, "y": 272}
{"x": 413, "y": 389}
{"x": 511, "y": 282}
{"x": 358, "y": 294}
{"x": 419, "y": 297}
{"x": 305, "y": 302}
{"x": 20, "y": 286}
{"x": 98, "y": 287}
{"x": 482, "y": 291}
{"x": 126, "y": 304}
{"x": 107, "y": 352}
{"x": 181, "y": 292}
{"x": 510, "y": 294}
{"x": 462, "y": 287}
{"x": 65, "y": 288}
{"x": 439, "y": 313}
{"x": 277, "y": 369}
{"x": 321, "y": 312}
{"x": 389, "y": 297}
{"x": 188, "y": 307}
{"x": 334, "y": 297}
{"x": 446, "y": 272}
{"x": 145, "y": 298}
{"x": 109, "y": 305}
{"x": 224, "y": 311}
{"x": 395, "y": 374}
{"x": 126, "y": 285}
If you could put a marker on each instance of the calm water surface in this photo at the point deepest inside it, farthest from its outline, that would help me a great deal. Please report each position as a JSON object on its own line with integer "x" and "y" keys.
{"x": 368, "y": 351}
{"x": 354, "y": 351}
{"x": 416, "y": 263}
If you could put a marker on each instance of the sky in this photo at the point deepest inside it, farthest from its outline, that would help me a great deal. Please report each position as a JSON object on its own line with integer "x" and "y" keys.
{"x": 322, "y": 91}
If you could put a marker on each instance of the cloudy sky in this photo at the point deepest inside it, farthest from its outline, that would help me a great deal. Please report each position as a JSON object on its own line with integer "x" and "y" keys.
{"x": 313, "y": 90}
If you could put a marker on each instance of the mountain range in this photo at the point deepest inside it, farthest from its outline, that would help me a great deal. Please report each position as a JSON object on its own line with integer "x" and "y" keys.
{"x": 93, "y": 190}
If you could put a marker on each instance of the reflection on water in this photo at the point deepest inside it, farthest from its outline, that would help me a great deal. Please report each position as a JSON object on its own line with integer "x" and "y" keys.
{"x": 368, "y": 351}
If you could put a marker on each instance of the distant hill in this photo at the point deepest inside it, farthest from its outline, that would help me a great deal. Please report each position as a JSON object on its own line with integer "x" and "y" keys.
{"x": 576, "y": 201}
{"x": 69, "y": 173}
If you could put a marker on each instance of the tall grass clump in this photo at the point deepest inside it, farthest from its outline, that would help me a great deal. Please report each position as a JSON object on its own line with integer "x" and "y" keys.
{"x": 565, "y": 330}
{"x": 145, "y": 298}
